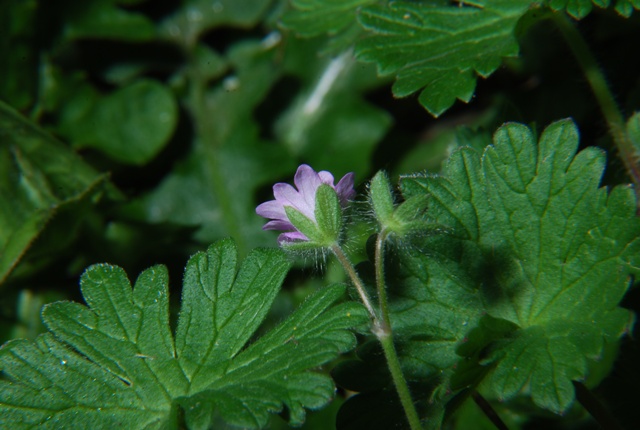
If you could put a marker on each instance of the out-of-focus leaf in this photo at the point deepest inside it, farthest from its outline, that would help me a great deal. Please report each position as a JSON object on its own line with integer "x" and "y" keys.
{"x": 213, "y": 187}
{"x": 626, "y": 7}
{"x": 329, "y": 122}
{"x": 197, "y": 16}
{"x": 104, "y": 19}
{"x": 130, "y": 125}
{"x": 39, "y": 175}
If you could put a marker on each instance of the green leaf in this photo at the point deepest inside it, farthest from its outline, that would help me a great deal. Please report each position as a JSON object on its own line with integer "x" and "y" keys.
{"x": 104, "y": 19}
{"x": 626, "y": 7}
{"x": 533, "y": 242}
{"x": 576, "y": 8}
{"x": 41, "y": 176}
{"x": 130, "y": 125}
{"x": 316, "y": 17}
{"x": 115, "y": 361}
{"x": 195, "y": 16}
{"x": 439, "y": 49}
{"x": 581, "y": 8}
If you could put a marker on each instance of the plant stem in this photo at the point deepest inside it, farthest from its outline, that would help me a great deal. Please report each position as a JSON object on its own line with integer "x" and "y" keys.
{"x": 600, "y": 88}
{"x": 488, "y": 410}
{"x": 381, "y": 327}
{"x": 357, "y": 282}
{"x": 380, "y": 284}
{"x": 393, "y": 363}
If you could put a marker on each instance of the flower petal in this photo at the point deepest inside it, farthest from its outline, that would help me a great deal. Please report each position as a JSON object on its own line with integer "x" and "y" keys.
{"x": 307, "y": 181}
{"x": 278, "y": 224}
{"x": 291, "y": 236}
{"x": 326, "y": 177}
{"x": 272, "y": 209}
{"x": 345, "y": 189}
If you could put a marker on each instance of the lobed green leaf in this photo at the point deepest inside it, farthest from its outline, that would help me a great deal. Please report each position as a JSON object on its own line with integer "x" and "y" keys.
{"x": 533, "y": 242}
{"x": 439, "y": 49}
{"x": 116, "y": 362}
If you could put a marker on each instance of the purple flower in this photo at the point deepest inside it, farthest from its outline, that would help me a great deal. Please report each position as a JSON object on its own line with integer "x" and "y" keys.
{"x": 303, "y": 200}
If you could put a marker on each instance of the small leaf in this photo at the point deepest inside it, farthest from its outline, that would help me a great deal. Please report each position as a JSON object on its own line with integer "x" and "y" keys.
{"x": 131, "y": 125}
{"x": 116, "y": 363}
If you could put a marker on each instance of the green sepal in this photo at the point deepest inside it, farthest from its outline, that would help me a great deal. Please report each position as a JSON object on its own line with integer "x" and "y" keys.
{"x": 328, "y": 213}
{"x": 409, "y": 215}
{"x": 303, "y": 224}
{"x": 404, "y": 219}
{"x": 381, "y": 198}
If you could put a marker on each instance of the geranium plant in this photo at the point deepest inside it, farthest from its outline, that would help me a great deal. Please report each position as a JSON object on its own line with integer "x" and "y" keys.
{"x": 453, "y": 186}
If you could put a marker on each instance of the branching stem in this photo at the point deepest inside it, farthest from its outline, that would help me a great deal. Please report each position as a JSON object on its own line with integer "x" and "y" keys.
{"x": 381, "y": 326}
{"x": 602, "y": 93}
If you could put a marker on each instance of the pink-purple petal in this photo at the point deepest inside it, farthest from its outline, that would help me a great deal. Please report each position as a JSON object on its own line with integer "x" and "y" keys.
{"x": 272, "y": 209}
{"x": 292, "y": 236}
{"x": 345, "y": 189}
{"x": 278, "y": 224}
{"x": 326, "y": 177}
{"x": 302, "y": 198}
{"x": 285, "y": 194}
{"x": 307, "y": 181}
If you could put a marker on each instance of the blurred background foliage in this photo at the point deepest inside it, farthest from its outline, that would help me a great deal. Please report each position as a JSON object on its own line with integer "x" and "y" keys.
{"x": 136, "y": 132}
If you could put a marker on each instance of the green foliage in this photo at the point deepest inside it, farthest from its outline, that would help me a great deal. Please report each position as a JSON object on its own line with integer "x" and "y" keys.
{"x": 460, "y": 41}
{"x": 138, "y": 132}
{"x": 116, "y": 360}
{"x": 581, "y": 8}
{"x": 146, "y": 114}
{"x": 35, "y": 184}
{"x": 540, "y": 246}
{"x": 316, "y": 17}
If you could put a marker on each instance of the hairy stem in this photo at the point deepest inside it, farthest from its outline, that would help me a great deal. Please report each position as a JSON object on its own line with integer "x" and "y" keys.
{"x": 385, "y": 336}
{"x": 380, "y": 283}
{"x": 382, "y": 330}
{"x": 602, "y": 92}
{"x": 357, "y": 282}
